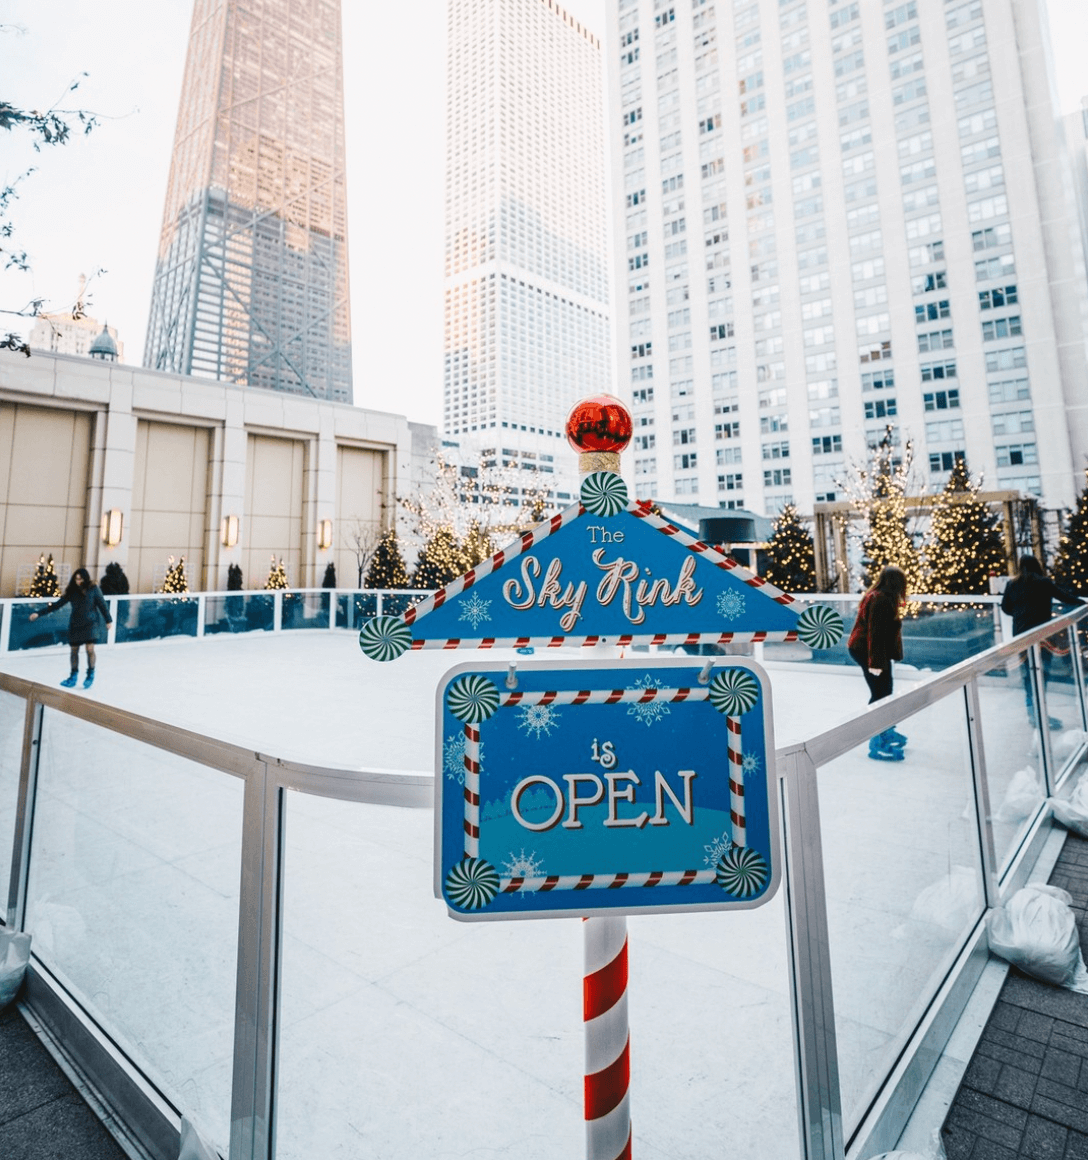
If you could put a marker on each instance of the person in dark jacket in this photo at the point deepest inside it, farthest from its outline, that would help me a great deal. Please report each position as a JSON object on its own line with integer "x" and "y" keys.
{"x": 89, "y": 611}
{"x": 874, "y": 643}
{"x": 1028, "y": 599}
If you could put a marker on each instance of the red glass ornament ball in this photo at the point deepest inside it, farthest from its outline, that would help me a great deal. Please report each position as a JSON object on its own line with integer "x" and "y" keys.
{"x": 599, "y": 423}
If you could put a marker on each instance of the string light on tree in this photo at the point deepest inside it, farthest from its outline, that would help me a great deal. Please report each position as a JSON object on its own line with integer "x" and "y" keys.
{"x": 791, "y": 554}
{"x": 277, "y": 575}
{"x": 175, "y": 579}
{"x": 387, "y": 568}
{"x": 965, "y": 545}
{"x": 1071, "y": 561}
{"x": 45, "y": 582}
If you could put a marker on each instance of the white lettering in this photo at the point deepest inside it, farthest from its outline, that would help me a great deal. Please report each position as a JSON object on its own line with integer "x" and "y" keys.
{"x": 623, "y": 795}
{"x": 572, "y": 779}
{"x": 662, "y": 787}
{"x": 515, "y": 802}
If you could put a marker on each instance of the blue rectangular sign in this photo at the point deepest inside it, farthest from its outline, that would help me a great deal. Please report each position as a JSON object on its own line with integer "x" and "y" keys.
{"x": 572, "y": 788}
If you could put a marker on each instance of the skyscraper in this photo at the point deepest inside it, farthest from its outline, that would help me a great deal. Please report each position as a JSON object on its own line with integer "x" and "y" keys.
{"x": 251, "y": 283}
{"x": 526, "y": 293}
{"x": 839, "y": 216}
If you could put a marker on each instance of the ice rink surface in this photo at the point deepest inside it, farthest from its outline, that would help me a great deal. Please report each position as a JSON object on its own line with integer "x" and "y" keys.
{"x": 407, "y": 1034}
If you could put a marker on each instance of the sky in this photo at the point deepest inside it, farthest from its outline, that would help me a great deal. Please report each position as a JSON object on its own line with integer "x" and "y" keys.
{"x": 97, "y": 202}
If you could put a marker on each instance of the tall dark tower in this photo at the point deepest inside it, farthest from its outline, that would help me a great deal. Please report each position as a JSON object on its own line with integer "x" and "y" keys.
{"x": 251, "y": 283}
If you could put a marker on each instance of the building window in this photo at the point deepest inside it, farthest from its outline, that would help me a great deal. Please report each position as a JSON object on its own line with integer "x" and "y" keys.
{"x": 941, "y": 400}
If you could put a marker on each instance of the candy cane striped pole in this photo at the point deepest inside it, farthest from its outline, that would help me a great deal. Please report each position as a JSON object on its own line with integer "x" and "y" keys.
{"x": 608, "y": 1043}
{"x": 736, "y": 782}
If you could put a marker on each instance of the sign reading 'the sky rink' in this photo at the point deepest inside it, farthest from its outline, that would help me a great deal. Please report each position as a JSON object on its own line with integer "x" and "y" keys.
{"x": 627, "y": 786}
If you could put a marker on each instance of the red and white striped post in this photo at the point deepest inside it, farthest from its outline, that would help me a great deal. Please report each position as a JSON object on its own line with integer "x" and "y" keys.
{"x": 607, "y": 1038}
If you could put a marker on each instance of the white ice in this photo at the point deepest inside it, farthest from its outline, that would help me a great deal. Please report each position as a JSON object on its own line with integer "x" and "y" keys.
{"x": 407, "y": 1034}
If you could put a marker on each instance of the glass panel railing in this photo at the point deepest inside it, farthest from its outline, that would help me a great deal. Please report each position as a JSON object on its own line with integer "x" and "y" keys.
{"x": 154, "y": 619}
{"x": 1014, "y": 765}
{"x": 12, "y": 720}
{"x": 407, "y": 1033}
{"x": 305, "y": 610}
{"x": 253, "y": 612}
{"x": 904, "y": 887}
{"x": 133, "y": 901}
{"x": 396, "y": 603}
{"x": 43, "y": 632}
{"x": 353, "y": 609}
{"x": 1062, "y": 700}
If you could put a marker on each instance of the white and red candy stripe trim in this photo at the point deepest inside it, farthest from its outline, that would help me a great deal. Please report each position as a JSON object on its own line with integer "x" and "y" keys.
{"x": 605, "y": 881}
{"x": 736, "y": 782}
{"x": 607, "y": 1039}
{"x": 454, "y": 642}
{"x": 472, "y": 791}
{"x": 511, "y": 552}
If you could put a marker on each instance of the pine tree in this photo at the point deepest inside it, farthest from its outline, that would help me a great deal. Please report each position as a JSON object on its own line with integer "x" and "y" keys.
{"x": 45, "y": 582}
{"x": 175, "y": 579}
{"x": 387, "y": 568}
{"x": 329, "y": 580}
{"x": 965, "y": 545}
{"x": 1071, "y": 562}
{"x": 439, "y": 561}
{"x": 277, "y": 576}
{"x": 114, "y": 582}
{"x": 476, "y": 546}
{"x": 235, "y": 582}
{"x": 791, "y": 554}
{"x": 884, "y": 502}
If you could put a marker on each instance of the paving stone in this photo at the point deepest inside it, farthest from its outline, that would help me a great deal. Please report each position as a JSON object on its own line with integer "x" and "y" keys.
{"x": 1046, "y": 1000}
{"x": 993, "y": 1109}
{"x": 1061, "y": 1112}
{"x": 1044, "y": 1140}
{"x": 64, "y": 1128}
{"x": 1076, "y": 1147}
{"x": 983, "y": 1126}
{"x": 989, "y": 1150}
{"x": 1061, "y": 1066}
{"x": 29, "y": 1078}
{"x": 1015, "y": 1086}
{"x": 982, "y": 1073}
{"x": 1004, "y": 1017}
{"x": 1011, "y": 1054}
{"x": 1032, "y": 1025}
{"x": 1061, "y": 1093}
{"x": 958, "y": 1142}
{"x": 1031, "y": 1047}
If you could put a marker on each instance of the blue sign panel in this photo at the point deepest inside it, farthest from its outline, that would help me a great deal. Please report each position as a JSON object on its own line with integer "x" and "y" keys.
{"x": 576, "y": 788}
{"x": 605, "y": 568}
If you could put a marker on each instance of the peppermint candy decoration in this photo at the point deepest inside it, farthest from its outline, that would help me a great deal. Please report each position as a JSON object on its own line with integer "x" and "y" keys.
{"x": 384, "y": 638}
{"x": 603, "y": 493}
{"x": 733, "y": 692}
{"x": 742, "y": 872}
{"x": 472, "y": 699}
{"x": 819, "y": 626}
{"x": 472, "y": 884}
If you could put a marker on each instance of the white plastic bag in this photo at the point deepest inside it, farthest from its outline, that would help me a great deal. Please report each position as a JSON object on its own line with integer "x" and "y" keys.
{"x": 1022, "y": 798}
{"x": 192, "y": 1146}
{"x": 1064, "y": 744}
{"x": 14, "y": 956}
{"x": 948, "y": 903}
{"x": 1036, "y": 931}
{"x": 1074, "y": 812}
{"x": 935, "y": 1151}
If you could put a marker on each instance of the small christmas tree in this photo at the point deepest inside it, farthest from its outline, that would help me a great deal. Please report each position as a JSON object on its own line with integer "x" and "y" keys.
{"x": 329, "y": 580}
{"x": 791, "y": 554}
{"x": 965, "y": 546}
{"x": 884, "y": 503}
{"x": 476, "y": 547}
{"x": 114, "y": 582}
{"x": 45, "y": 582}
{"x": 175, "y": 580}
{"x": 277, "y": 575}
{"x": 1071, "y": 561}
{"x": 439, "y": 561}
{"x": 234, "y": 578}
{"x": 387, "y": 568}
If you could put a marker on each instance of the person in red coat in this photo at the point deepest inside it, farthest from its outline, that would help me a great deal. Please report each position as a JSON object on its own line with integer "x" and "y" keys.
{"x": 875, "y": 642}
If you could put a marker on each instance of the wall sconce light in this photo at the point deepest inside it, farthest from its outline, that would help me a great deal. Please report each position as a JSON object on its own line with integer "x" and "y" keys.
{"x": 324, "y": 534}
{"x": 228, "y": 531}
{"x": 113, "y": 525}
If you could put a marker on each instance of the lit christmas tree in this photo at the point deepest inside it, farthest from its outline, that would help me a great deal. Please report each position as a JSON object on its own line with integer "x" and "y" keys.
{"x": 476, "y": 546}
{"x": 175, "y": 580}
{"x": 277, "y": 576}
{"x": 1071, "y": 561}
{"x": 45, "y": 582}
{"x": 965, "y": 546}
{"x": 387, "y": 568}
{"x": 880, "y": 494}
{"x": 791, "y": 554}
{"x": 440, "y": 560}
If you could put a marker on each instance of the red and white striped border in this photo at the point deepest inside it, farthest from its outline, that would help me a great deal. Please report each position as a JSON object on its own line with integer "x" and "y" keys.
{"x": 607, "y": 1039}
{"x": 736, "y": 782}
{"x": 527, "y": 540}
{"x": 605, "y": 881}
{"x": 472, "y": 791}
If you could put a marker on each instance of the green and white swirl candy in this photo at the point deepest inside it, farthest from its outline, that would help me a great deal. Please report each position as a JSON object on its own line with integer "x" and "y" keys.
{"x": 384, "y": 638}
{"x": 741, "y": 872}
{"x": 733, "y": 691}
{"x": 819, "y": 626}
{"x": 472, "y": 699}
{"x": 472, "y": 884}
{"x": 603, "y": 493}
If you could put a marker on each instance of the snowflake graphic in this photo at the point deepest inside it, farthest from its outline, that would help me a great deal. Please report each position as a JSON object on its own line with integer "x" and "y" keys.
{"x": 475, "y": 610}
{"x": 523, "y": 865}
{"x": 731, "y": 604}
{"x": 749, "y": 763}
{"x": 652, "y": 711}
{"x": 717, "y": 849}
{"x": 453, "y": 757}
{"x": 538, "y": 720}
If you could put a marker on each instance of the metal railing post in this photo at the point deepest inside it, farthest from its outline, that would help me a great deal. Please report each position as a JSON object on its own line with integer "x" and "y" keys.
{"x": 24, "y": 814}
{"x": 111, "y": 632}
{"x": 257, "y": 991}
{"x": 1038, "y": 685}
{"x": 277, "y": 610}
{"x": 983, "y": 814}
{"x": 5, "y": 624}
{"x": 201, "y": 612}
{"x": 819, "y": 1101}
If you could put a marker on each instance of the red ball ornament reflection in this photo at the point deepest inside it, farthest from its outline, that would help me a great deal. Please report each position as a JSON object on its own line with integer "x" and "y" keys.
{"x": 599, "y": 423}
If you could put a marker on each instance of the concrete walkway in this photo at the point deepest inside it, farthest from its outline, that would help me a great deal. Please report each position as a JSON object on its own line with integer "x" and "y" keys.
{"x": 1025, "y": 1094}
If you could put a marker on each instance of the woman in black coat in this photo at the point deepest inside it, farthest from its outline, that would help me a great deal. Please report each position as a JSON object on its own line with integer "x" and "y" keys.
{"x": 875, "y": 642}
{"x": 89, "y": 611}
